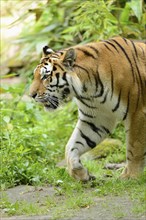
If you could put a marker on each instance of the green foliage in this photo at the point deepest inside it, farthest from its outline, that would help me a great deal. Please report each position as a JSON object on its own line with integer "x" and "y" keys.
{"x": 32, "y": 143}
{"x": 20, "y": 207}
{"x": 64, "y": 23}
{"x": 47, "y": 28}
{"x": 32, "y": 140}
{"x": 104, "y": 19}
{"x": 29, "y": 147}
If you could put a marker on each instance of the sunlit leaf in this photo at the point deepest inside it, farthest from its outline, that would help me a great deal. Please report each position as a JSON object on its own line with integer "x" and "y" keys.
{"x": 136, "y": 6}
{"x": 124, "y": 17}
{"x": 6, "y": 119}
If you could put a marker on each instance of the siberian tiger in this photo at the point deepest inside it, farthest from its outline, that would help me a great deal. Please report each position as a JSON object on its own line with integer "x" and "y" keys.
{"x": 108, "y": 81}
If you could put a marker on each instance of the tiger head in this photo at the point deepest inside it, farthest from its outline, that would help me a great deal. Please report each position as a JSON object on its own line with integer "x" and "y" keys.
{"x": 50, "y": 85}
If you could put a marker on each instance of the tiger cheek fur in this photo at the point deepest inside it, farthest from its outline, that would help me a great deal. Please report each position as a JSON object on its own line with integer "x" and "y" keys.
{"x": 108, "y": 81}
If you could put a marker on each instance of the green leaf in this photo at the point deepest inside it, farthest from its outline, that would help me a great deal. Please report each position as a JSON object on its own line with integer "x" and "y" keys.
{"x": 49, "y": 28}
{"x": 136, "y": 6}
{"x": 6, "y": 119}
{"x": 125, "y": 13}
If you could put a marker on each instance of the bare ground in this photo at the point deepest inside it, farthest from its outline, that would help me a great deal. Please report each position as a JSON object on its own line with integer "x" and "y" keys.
{"x": 106, "y": 208}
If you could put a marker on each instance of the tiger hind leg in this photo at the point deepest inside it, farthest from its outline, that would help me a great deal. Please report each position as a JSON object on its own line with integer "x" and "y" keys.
{"x": 136, "y": 146}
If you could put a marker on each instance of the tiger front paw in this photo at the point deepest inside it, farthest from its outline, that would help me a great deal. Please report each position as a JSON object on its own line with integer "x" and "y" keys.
{"x": 80, "y": 173}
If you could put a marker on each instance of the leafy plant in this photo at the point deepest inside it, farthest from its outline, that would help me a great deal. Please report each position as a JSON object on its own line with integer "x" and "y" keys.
{"x": 103, "y": 19}
{"x": 28, "y": 138}
{"x": 64, "y": 23}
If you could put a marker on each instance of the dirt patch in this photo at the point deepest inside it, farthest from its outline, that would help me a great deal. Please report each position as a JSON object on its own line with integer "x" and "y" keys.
{"x": 106, "y": 208}
{"x": 109, "y": 208}
{"x": 28, "y": 193}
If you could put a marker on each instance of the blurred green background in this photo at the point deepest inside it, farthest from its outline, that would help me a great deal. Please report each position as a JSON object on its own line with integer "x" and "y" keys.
{"x": 28, "y": 25}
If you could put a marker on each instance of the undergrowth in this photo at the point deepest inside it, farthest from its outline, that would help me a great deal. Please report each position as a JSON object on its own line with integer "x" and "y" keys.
{"x": 33, "y": 142}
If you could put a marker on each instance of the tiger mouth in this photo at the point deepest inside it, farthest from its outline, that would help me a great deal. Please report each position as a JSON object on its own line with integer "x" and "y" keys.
{"x": 49, "y": 102}
{"x": 51, "y": 106}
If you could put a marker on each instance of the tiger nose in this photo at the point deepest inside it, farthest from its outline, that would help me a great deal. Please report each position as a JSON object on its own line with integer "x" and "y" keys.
{"x": 33, "y": 95}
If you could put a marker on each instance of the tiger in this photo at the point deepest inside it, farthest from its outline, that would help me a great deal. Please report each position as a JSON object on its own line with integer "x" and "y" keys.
{"x": 107, "y": 79}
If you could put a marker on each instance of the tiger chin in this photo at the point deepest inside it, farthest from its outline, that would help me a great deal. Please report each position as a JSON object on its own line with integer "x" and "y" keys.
{"x": 108, "y": 81}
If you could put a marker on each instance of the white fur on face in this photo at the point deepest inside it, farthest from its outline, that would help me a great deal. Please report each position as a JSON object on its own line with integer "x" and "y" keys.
{"x": 46, "y": 70}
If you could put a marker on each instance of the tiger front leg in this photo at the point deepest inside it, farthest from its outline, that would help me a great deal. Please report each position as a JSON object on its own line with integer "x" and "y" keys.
{"x": 76, "y": 146}
{"x": 83, "y": 139}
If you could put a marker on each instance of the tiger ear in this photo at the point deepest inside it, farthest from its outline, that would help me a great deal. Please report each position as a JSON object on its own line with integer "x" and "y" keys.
{"x": 69, "y": 58}
{"x": 47, "y": 50}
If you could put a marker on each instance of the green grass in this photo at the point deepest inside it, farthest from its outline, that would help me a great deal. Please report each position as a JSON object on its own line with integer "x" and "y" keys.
{"x": 33, "y": 142}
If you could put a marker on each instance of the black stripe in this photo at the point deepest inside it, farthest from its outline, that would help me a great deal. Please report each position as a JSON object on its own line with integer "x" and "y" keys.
{"x": 105, "y": 129}
{"x": 125, "y": 40}
{"x": 61, "y": 86}
{"x": 84, "y": 88}
{"x": 56, "y": 56}
{"x": 112, "y": 82}
{"x": 85, "y": 98}
{"x": 50, "y": 90}
{"x": 64, "y": 76}
{"x": 108, "y": 48}
{"x": 127, "y": 109}
{"x": 123, "y": 50}
{"x": 138, "y": 71}
{"x": 93, "y": 127}
{"x": 111, "y": 45}
{"x": 81, "y": 100}
{"x": 89, "y": 142}
{"x": 78, "y": 142}
{"x": 57, "y": 77}
{"x": 57, "y": 83}
{"x": 118, "y": 103}
{"x": 74, "y": 148}
{"x": 96, "y": 83}
{"x": 139, "y": 82}
{"x": 52, "y": 86}
{"x": 87, "y": 115}
{"x": 131, "y": 152}
{"x": 59, "y": 66}
{"x": 86, "y": 53}
{"x": 128, "y": 159}
{"x": 78, "y": 66}
{"x": 84, "y": 103}
{"x": 105, "y": 97}
{"x": 54, "y": 68}
{"x": 134, "y": 48}
{"x": 93, "y": 48}
{"x": 60, "y": 52}
{"x": 101, "y": 87}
